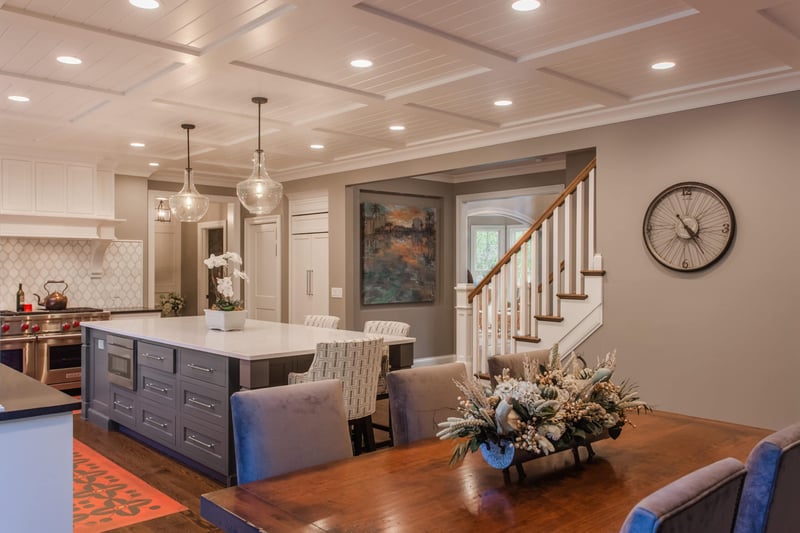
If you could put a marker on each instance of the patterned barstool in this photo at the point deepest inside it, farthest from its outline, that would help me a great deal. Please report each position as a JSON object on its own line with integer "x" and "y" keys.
{"x": 322, "y": 321}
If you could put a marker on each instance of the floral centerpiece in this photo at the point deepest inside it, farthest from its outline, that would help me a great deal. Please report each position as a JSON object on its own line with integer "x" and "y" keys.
{"x": 226, "y": 313}
{"x": 553, "y": 408}
{"x": 172, "y": 304}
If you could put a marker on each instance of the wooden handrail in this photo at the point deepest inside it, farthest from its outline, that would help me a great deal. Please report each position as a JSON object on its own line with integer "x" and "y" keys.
{"x": 582, "y": 175}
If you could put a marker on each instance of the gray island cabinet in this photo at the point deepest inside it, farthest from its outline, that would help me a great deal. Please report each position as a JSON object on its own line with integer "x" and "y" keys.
{"x": 167, "y": 381}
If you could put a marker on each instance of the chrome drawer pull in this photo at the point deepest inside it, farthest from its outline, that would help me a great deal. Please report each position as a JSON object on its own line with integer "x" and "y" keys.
{"x": 120, "y": 404}
{"x": 151, "y": 356}
{"x": 157, "y": 389}
{"x": 198, "y": 441}
{"x": 201, "y": 404}
{"x": 200, "y": 368}
{"x": 155, "y": 422}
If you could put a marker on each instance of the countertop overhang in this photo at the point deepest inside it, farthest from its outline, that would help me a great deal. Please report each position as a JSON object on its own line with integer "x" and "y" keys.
{"x": 258, "y": 339}
{"x": 24, "y": 397}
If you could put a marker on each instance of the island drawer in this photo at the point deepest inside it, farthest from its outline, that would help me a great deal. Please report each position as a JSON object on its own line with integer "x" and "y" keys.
{"x": 205, "y": 367}
{"x": 158, "y": 386}
{"x": 157, "y": 423}
{"x": 205, "y": 402}
{"x": 206, "y": 445}
{"x": 123, "y": 406}
{"x": 156, "y": 356}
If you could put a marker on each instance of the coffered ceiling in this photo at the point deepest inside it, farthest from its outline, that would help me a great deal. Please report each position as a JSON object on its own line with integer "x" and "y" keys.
{"x": 438, "y": 67}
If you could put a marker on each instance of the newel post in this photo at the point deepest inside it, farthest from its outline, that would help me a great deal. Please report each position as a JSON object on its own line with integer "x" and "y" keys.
{"x": 464, "y": 325}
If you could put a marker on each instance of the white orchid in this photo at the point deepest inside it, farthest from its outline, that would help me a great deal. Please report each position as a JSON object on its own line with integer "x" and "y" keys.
{"x": 219, "y": 265}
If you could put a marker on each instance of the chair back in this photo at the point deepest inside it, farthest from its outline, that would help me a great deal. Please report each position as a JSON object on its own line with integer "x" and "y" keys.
{"x": 515, "y": 363}
{"x": 282, "y": 429}
{"x": 420, "y": 398}
{"x": 387, "y": 327}
{"x": 703, "y": 501}
{"x": 322, "y": 321}
{"x": 769, "y": 498}
{"x": 356, "y": 363}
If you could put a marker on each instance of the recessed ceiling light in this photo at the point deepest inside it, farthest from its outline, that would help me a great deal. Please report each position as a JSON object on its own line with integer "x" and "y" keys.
{"x": 503, "y": 103}
{"x": 17, "y": 98}
{"x": 526, "y": 5}
{"x": 137, "y": 145}
{"x": 69, "y": 60}
{"x": 144, "y": 4}
{"x": 662, "y": 65}
{"x": 153, "y": 164}
{"x": 397, "y": 127}
{"x": 361, "y": 63}
{"x": 316, "y": 146}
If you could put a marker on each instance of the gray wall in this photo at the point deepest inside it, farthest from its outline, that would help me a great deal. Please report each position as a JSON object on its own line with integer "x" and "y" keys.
{"x": 715, "y": 344}
{"x": 130, "y": 201}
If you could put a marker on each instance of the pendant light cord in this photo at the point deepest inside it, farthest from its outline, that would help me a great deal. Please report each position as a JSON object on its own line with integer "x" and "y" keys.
{"x": 259, "y": 127}
{"x": 188, "y": 159}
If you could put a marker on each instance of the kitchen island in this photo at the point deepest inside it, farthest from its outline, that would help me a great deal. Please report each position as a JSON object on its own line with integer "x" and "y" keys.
{"x": 169, "y": 380}
{"x": 36, "y": 450}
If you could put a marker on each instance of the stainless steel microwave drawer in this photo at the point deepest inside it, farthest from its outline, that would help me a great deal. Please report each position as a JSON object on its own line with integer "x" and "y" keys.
{"x": 205, "y": 367}
{"x": 156, "y": 356}
{"x": 122, "y": 342}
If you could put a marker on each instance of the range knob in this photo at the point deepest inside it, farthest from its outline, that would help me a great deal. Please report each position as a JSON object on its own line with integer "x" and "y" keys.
{"x": 76, "y": 323}
{"x": 25, "y": 326}
{"x": 6, "y": 327}
{"x": 35, "y": 328}
{"x": 65, "y": 327}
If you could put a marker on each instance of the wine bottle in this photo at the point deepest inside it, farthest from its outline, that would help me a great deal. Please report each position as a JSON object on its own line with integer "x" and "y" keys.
{"x": 20, "y": 299}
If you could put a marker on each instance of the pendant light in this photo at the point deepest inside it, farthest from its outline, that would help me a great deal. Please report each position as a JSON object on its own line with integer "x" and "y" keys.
{"x": 188, "y": 205}
{"x": 259, "y": 193}
{"x": 163, "y": 214}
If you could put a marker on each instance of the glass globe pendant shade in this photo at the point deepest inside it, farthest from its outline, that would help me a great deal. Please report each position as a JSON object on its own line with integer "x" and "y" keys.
{"x": 259, "y": 193}
{"x": 188, "y": 205}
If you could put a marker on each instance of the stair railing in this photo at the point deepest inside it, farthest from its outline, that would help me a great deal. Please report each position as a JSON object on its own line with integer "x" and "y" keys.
{"x": 545, "y": 266}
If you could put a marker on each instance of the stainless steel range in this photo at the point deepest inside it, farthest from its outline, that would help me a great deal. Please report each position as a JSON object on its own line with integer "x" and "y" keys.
{"x": 46, "y": 345}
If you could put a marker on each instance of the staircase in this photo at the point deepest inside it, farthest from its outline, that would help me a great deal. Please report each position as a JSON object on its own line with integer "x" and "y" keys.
{"x": 548, "y": 288}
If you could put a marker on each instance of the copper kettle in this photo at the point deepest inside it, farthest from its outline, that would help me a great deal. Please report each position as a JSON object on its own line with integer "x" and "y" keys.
{"x": 55, "y": 300}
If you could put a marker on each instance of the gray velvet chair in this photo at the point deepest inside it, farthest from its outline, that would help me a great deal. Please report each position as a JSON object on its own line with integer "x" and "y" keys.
{"x": 703, "y": 501}
{"x": 515, "y": 362}
{"x": 282, "y": 429}
{"x": 420, "y": 398}
{"x": 322, "y": 321}
{"x": 771, "y": 494}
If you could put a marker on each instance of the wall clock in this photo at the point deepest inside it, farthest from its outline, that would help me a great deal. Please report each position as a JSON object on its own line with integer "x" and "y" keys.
{"x": 689, "y": 226}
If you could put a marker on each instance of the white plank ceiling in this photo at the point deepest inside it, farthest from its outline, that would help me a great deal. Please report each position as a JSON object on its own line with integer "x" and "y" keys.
{"x": 438, "y": 67}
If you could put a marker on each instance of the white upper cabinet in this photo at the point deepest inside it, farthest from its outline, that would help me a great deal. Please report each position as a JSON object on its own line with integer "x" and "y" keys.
{"x": 16, "y": 186}
{"x": 80, "y": 190}
{"x": 50, "y": 186}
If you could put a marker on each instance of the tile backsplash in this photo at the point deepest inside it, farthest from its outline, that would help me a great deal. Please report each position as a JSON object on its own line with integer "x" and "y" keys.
{"x": 34, "y": 261}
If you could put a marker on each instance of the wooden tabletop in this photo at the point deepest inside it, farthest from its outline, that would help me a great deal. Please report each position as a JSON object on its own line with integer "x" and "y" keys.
{"x": 412, "y": 488}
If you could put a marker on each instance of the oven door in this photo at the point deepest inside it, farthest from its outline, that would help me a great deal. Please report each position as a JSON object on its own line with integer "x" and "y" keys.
{"x": 18, "y": 354}
{"x": 58, "y": 360}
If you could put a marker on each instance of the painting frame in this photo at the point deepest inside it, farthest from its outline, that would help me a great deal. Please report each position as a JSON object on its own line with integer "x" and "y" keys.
{"x": 399, "y": 263}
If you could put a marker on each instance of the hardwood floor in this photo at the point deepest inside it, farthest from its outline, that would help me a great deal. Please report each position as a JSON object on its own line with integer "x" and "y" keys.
{"x": 167, "y": 475}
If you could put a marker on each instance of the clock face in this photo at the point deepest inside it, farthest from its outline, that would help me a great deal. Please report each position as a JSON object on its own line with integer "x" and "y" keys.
{"x": 689, "y": 226}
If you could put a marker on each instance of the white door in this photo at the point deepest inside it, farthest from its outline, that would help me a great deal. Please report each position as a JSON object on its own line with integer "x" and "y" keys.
{"x": 262, "y": 265}
{"x": 212, "y": 239}
{"x": 309, "y": 277}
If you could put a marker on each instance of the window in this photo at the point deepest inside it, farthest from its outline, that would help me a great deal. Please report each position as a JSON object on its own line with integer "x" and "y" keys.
{"x": 488, "y": 243}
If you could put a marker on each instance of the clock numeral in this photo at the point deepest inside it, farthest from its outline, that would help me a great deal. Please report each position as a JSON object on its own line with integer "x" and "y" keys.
{"x": 726, "y": 228}
{"x": 649, "y": 228}
{"x": 685, "y": 264}
{"x": 686, "y": 191}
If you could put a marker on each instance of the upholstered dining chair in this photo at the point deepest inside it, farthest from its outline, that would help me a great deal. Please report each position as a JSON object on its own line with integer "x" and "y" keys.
{"x": 703, "y": 501}
{"x": 515, "y": 363}
{"x": 385, "y": 327}
{"x": 282, "y": 429}
{"x": 420, "y": 398}
{"x": 770, "y": 495}
{"x": 321, "y": 321}
{"x": 356, "y": 363}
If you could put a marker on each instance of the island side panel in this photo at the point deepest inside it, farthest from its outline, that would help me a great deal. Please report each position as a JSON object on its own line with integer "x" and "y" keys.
{"x": 94, "y": 378}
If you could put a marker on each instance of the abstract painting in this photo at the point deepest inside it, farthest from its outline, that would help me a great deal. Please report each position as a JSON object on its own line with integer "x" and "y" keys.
{"x": 398, "y": 254}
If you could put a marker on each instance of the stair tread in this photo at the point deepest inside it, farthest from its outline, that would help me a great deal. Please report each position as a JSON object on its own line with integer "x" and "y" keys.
{"x": 526, "y": 338}
{"x": 572, "y": 296}
{"x": 593, "y": 272}
{"x": 549, "y": 318}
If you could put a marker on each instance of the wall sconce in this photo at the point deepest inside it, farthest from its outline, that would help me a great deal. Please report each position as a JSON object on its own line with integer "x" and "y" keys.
{"x": 163, "y": 214}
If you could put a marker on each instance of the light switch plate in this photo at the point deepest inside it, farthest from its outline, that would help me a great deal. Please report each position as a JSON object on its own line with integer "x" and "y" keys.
{"x": 336, "y": 292}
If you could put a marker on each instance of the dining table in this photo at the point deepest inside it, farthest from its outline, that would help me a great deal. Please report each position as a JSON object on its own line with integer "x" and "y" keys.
{"x": 414, "y": 488}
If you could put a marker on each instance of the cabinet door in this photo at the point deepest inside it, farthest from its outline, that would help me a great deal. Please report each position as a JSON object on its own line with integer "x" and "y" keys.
{"x": 16, "y": 194}
{"x": 80, "y": 190}
{"x": 104, "y": 197}
{"x": 50, "y": 188}
{"x": 309, "y": 276}
{"x": 319, "y": 274}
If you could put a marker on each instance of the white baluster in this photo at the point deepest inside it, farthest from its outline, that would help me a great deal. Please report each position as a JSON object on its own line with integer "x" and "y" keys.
{"x": 486, "y": 324}
{"x": 558, "y": 249}
{"x": 590, "y": 220}
{"x": 524, "y": 290}
{"x": 478, "y": 348}
{"x": 547, "y": 264}
{"x": 502, "y": 300}
{"x": 569, "y": 243}
{"x": 536, "y": 274}
{"x": 580, "y": 236}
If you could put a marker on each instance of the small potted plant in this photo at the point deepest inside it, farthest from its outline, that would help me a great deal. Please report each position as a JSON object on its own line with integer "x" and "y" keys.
{"x": 226, "y": 313}
{"x": 172, "y": 304}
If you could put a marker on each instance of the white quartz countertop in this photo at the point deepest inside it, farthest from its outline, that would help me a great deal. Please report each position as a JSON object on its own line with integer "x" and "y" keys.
{"x": 258, "y": 339}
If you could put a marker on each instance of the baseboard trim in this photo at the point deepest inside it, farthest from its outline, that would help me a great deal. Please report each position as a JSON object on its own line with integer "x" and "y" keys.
{"x": 435, "y": 360}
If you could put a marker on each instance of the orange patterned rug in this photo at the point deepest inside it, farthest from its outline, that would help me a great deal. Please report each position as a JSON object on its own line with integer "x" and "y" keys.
{"x": 106, "y": 496}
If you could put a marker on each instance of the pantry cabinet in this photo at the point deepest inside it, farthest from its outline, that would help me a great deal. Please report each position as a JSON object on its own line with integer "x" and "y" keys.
{"x": 308, "y": 259}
